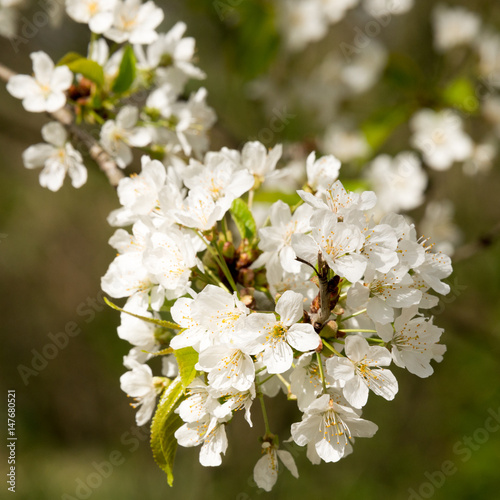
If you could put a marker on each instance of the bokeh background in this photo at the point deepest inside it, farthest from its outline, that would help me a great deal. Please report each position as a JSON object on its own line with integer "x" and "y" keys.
{"x": 72, "y": 416}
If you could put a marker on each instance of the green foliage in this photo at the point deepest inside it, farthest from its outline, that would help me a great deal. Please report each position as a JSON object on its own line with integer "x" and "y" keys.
{"x": 254, "y": 40}
{"x": 186, "y": 359}
{"x": 165, "y": 423}
{"x": 243, "y": 219}
{"x": 160, "y": 322}
{"x": 460, "y": 94}
{"x": 271, "y": 196}
{"x": 126, "y": 72}
{"x": 86, "y": 67}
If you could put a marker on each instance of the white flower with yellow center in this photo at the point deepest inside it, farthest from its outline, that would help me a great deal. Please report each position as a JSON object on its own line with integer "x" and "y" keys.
{"x": 338, "y": 242}
{"x": 228, "y": 367}
{"x": 328, "y": 428}
{"x": 414, "y": 342}
{"x": 277, "y": 338}
{"x": 98, "y": 14}
{"x": 340, "y": 202}
{"x": 135, "y": 22}
{"x": 210, "y": 433}
{"x": 45, "y": 90}
{"x": 361, "y": 371}
{"x": 58, "y": 158}
{"x": 213, "y": 317}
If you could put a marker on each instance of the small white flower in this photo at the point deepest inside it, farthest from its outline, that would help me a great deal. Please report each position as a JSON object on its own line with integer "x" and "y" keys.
{"x": 338, "y": 242}
{"x": 171, "y": 56}
{"x": 117, "y": 135}
{"x": 259, "y": 162}
{"x": 276, "y": 338}
{"x": 228, "y": 367}
{"x": 361, "y": 371}
{"x": 210, "y": 433}
{"x": 57, "y": 158}
{"x": 98, "y": 14}
{"x": 323, "y": 172}
{"x": 214, "y": 316}
{"x": 454, "y": 26}
{"x": 399, "y": 182}
{"x": 339, "y": 201}
{"x": 276, "y": 239}
{"x": 414, "y": 342}
{"x": 44, "y": 91}
{"x": 265, "y": 472}
{"x": 135, "y": 22}
{"x": 140, "y": 384}
{"x": 440, "y": 137}
{"x": 328, "y": 428}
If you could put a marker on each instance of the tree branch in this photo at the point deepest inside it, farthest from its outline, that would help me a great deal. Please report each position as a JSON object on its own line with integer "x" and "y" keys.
{"x": 64, "y": 116}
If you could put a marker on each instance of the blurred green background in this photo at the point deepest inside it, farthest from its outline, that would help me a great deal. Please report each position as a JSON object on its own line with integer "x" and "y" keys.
{"x": 72, "y": 416}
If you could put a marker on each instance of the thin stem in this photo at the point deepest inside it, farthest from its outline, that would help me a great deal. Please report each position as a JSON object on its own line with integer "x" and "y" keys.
{"x": 325, "y": 343}
{"x": 250, "y": 199}
{"x": 287, "y": 385}
{"x": 321, "y": 372}
{"x": 264, "y": 415}
{"x": 218, "y": 258}
{"x": 377, "y": 341}
{"x": 265, "y": 380}
{"x": 353, "y": 315}
{"x": 224, "y": 268}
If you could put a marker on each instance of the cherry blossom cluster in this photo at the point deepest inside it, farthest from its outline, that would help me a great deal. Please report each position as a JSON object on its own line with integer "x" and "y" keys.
{"x": 319, "y": 302}
{"x": 130, "y": 96}
{"x": 317, "y": 305}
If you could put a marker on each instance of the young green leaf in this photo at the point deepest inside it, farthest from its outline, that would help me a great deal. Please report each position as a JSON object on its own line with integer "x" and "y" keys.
{"x": 165, "y": 423}
{"x": 243, "y": 219}
{"x": 69, "y": 58}
{"x": 186, "y": 359}
{"x": 126, "y": 72}
{"x": 89, "y": 69}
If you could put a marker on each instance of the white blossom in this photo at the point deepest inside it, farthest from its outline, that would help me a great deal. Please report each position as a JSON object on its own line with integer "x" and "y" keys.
{"x": 265, "y": 472}
{"x": 440, "y": 137}
{"x": 45, "y": 90}
{"x": 57, "y": 157}
{"x": 328, "y": 428}
{"x": 361, "y": 371}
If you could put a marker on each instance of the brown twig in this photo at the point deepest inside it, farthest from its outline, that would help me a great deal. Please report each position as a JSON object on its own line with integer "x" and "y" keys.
{"x": 96, "y": 152}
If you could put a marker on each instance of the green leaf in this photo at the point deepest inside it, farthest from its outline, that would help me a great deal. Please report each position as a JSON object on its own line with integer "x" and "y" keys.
{"x": 243, "y": 219}
{"x": 186, "y": 359}
{"x": 160, "y": 322}
{"x": 290, "y": 199}
{"x": 126, "y": 73}
{"x": 165, "y": 423}
{"x": 89, "y": 69}
{"x": 69, "y": 58}
{"x": 460, "y": 94}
